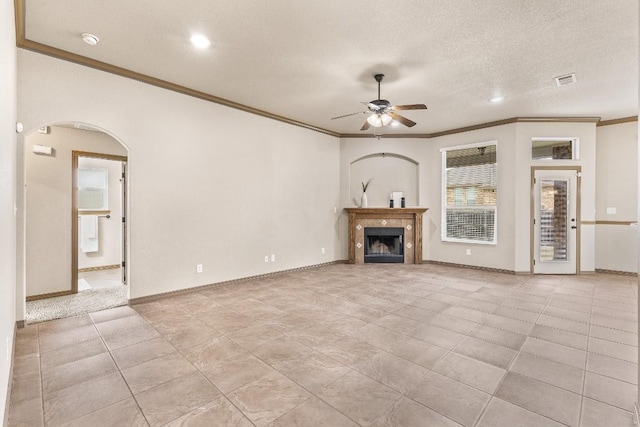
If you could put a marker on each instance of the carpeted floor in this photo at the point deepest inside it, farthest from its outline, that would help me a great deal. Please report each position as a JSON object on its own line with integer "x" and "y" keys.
{"x": 73, "y": 305}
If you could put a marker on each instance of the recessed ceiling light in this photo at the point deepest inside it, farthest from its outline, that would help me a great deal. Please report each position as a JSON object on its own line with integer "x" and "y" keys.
{"x": 496, "y": 99}
{"x": 200, "y": 41}
{"x": 90, "y": 39}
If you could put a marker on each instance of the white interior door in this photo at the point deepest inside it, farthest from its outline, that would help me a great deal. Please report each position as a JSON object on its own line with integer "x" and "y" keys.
{"x": 555, "y": 221}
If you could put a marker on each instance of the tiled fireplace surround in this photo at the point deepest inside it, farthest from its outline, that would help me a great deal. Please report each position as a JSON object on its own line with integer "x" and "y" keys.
{"x": 408, "y": 218}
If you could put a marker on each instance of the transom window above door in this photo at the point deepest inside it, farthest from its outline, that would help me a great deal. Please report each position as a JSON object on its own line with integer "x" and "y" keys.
{"x": 554, "y": 149}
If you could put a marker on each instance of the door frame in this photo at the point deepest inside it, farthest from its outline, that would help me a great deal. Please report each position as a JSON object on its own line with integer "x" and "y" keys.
{"x": 74, "y": 209}
{"x": 578, "y": 170}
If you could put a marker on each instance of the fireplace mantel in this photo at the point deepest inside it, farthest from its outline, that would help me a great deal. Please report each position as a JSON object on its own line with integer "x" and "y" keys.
{"x": 408, "y": 218}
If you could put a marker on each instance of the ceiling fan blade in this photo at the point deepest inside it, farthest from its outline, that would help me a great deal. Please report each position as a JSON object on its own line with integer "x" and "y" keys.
{"x": 401, "y": 119}
{"x": 365, "y": 126}
{"x": 347, "y": 115}
{"x": 410, "y": 107}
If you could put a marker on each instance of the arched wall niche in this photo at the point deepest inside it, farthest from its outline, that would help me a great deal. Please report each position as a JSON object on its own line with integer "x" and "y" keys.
{"x": 389, "y": 172}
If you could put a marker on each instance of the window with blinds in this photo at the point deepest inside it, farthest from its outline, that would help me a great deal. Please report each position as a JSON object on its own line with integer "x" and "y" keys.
{"x": 469, "y": 193}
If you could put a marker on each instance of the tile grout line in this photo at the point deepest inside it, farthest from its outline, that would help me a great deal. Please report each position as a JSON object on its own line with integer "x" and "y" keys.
{"x": 40, "y": 373}
{"x": 513, "y": 361}
{"x": 108, "y": 351}
{"x": 354, "y": 369}
{"x": 507, "y": 370}
{"x": 586, "y": 362}
{"x": 120, "y": 373}
{"x": 451, "y": 350}
{"x": 256, "y": 356}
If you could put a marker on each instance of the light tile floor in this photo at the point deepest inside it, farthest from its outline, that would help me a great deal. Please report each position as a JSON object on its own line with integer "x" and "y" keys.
{"x": 99, "y": 279}
{"x": 344, "y": 345}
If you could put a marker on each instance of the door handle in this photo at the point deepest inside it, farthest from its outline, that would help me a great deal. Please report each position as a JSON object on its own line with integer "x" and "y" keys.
{"x": 573, "y": 227}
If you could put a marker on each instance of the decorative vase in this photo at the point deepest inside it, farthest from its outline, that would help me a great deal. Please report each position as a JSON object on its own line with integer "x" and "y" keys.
{"x": 364, "y": 203}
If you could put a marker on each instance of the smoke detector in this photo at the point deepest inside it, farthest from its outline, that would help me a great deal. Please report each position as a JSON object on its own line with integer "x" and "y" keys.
{"x": 567, "y": 79}
{"x": 90, "y": 39}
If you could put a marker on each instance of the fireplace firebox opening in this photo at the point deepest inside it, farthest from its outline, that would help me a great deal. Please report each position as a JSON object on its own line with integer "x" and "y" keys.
{"x": 383, "y": 245}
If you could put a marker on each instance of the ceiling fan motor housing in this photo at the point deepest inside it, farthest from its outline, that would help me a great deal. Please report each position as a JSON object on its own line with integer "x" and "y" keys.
{"x": 382, "y": 104}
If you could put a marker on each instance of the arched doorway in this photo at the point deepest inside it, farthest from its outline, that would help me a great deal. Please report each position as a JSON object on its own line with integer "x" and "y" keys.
{"x": 53, "y": 221}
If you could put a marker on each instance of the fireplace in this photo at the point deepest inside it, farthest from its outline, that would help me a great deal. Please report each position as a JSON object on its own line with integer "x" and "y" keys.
{"x": 383, "y": 244}
{"x": 405, "y": 247}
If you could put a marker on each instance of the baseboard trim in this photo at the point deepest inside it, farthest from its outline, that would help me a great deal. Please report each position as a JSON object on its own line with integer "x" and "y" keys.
{"x": 471, "y": 267}
{"x": 157, "y": 297}
{"x": 50, "y": 295}
{"x": 10, "y": 381}
{"x": 100, "y": 268}
{"x": 618, "y": 272}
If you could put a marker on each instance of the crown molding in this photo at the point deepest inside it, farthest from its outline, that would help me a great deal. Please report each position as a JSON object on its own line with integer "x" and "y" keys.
{"x": 617, "y": 121}
{"x": 123, "y": 72}
{"x": 482, "y": 126}
{"x": 23, "y": 43}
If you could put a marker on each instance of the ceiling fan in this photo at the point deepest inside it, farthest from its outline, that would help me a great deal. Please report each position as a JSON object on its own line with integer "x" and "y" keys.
{"x": 381, "y": 112}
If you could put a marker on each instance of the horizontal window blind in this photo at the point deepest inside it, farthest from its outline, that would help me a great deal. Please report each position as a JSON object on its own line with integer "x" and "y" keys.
{"x": 470, "y": 191}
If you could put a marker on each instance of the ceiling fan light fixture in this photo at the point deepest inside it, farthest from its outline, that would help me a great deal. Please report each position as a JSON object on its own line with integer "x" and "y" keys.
{"x": 379, "y": 120}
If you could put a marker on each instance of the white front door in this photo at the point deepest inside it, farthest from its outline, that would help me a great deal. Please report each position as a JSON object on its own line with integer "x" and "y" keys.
{"x": 555, "y": 221}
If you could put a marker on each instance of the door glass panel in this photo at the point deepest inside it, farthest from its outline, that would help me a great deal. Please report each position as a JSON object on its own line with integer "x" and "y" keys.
{"x": 554, "y": 224}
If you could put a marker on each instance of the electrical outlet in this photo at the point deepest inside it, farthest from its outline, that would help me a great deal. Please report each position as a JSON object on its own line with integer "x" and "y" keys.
{"x": 273, "y": 257}
{"x": 322, "y": 251}
{"x": 266, "y": 258}
{"x": 611, "y": 211}
{"x": 199, "y": 268}
{"x": 335, "y": 209}
{"x": 468, "y": 251}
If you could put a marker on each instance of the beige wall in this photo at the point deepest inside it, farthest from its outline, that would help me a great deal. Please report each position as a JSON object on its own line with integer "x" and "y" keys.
{"x": 512, "y": 252}
{"x": 8, "y": 118}
{"x": 48, "y": 195}
{"x": 109, "y": 229}
{"x": 208, "y": 184}
{"x": 586, "y": 132}
{"x": 389, "y": 173}
{"x": 499, "y": 255}
{"x": 617, "y": 187}
{"x": 426, "y": 152}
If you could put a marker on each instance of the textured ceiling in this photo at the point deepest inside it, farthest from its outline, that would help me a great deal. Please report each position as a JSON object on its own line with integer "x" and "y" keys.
{"x": 310, "y": 61}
